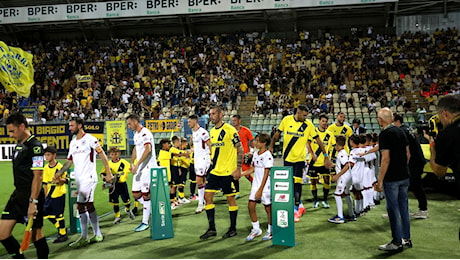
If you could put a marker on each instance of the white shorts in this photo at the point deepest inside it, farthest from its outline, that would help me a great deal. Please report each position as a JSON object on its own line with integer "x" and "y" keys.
{"x": 141, "y": 181}
{"x": 86, "y": 191}
{"x": 343, "y": 185}
{"x": 202, "y": 167}
{"x": 357, "y": 180}
{"x": 369, "y": 178}
{"x": 266, "y": 196}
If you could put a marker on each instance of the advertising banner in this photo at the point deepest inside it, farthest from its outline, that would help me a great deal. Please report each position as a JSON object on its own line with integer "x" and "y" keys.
{"x": 116, "y": 134}
{"x": 159, "y": 126}
{"x": 57, "y": 135}
{"x": 96, "y": 129}
{"x": 136, "y": 8}
{"x": 162, "y": 225}
{"x": 282, "y": 192}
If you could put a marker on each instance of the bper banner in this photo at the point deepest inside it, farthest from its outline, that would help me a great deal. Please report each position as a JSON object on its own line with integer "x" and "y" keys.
{"x": 136, "y": 8}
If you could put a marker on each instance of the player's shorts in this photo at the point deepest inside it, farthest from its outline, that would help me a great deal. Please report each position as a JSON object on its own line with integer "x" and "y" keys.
{"x": 175, "y": 175}
{"x": 357, "y": 180}
{"x": 141, "y": 181}
{"x": 216, "y": 183}
{"x": 368, "y": 178}
{"x": 86, "y": 191}
{"x": 297, "y": 170}
{"x": 266, "y": 197}
{"x": 183, "y": 175}
{"x": 18, "y": 206}
{"x": 202, "y": 167}
{"x": 54, "y": 207}
{"x": 343, "y": 185}
{"x": 121, "y": 190}
{"x": 315, "y": 171}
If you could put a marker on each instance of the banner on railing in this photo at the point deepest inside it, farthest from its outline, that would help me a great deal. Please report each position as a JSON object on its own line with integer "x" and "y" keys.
{"x": 165, "y": 125}
{"x": 116, "y": 134}
{"x": 96, "y": 129}
{"x": 57, "y": 135}
{"x": 151, "y": 8}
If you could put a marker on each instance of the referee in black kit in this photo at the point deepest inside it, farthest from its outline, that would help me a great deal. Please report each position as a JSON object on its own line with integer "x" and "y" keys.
{"x": 445, "y": 148}
{"x": 27, "y": 199}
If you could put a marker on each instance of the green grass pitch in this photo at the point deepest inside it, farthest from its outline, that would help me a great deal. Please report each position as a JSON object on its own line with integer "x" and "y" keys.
{"x": 436, "y": 237}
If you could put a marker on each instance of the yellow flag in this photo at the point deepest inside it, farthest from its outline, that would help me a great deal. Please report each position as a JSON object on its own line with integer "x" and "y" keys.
{"x": 16, "y": 70}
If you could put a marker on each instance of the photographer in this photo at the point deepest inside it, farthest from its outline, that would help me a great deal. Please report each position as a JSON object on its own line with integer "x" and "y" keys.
{"x": 416, "y": 164}
{"x": 445, "y": 148}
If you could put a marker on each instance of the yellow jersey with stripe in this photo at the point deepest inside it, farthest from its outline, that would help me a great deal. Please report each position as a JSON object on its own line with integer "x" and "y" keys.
{"x": 342, "y": 130}
{"x": 175, "y": 160}
{"x": 296, "y": 135}
{"x": 54, "y": 190}
{"x": 120, "y": 168}
{"x": 328, "y": 139}
{"x": 164, "y": 160}
{"x": 224, "y": 152}
{"x": 185, "y": 162}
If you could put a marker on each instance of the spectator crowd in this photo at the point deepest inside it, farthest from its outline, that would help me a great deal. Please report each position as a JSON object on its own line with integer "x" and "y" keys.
{"x": 150, "y": 75}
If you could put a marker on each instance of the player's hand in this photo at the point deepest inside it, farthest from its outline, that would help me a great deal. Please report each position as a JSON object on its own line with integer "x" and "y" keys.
{"x": 109, "y": 178}
{"x": 236, "y": 174}
{"x": 328, "y": 164}
{"x": 314, "y": 157}
{"x": 133, "y": 168}
{"x": 428, "y": 137}
{"x": 258, "y": 195}
{"x": 378, "y": 187}
{"x": 32, "y": 211}
{"x": 335, "y": 177}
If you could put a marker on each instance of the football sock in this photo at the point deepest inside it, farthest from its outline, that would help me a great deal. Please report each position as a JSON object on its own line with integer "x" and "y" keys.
{"x": 297, "y": 193}
{"x": 12, "y": 246}
{"x": 42, "y": 248}
{"x": 326, "y": 193}
{"x": 136, "y": 203}
{"x": 255, "y": 225}
{"x": 116, "y": 210}
{"x": 146, "y": 212}
{"x": 192, "y": 188}
{"x": 95, "y": 223}
{"x": 350, "y": 205}
{"x": 61, "y": 226}
{"x": 314, "y": 192}
{"x": 338, "y": 201}
{"x": 201, "y": 194}
{"x": 210, "y": 212}
{"x": 233, "y": 210}
{"x": 84, "y": 224}
{"x": 269, "y": 228}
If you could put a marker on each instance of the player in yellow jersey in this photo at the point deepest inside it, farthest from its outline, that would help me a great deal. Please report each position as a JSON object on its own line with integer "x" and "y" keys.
{"x": 164, "y": 156}
{"x": 184, "y": 166}
{"x": 227, "y": 157}
{"x": 55, "y": 194}
{"x": 176, "y": 153}
{"x": 340, "y": 128}
{"x": 297, "y": 129}
{"x": 317, "y": 168}
{"x": 120, "y": 169}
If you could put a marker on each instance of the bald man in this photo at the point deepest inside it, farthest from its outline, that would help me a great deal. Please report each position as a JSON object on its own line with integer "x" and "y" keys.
{"x": 394, "y": 180}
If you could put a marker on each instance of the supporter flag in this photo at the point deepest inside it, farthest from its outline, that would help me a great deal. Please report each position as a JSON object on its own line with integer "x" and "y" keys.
{"x": 16, "y": 70}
